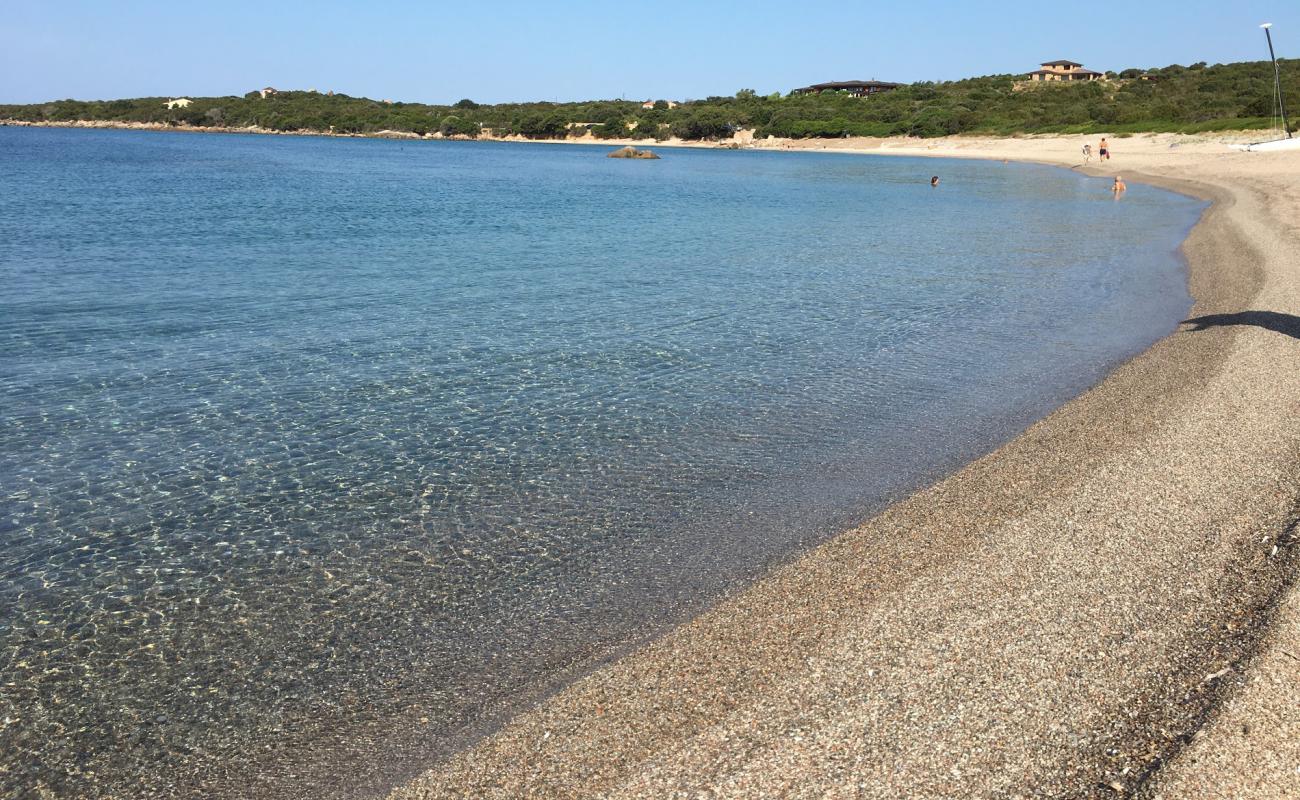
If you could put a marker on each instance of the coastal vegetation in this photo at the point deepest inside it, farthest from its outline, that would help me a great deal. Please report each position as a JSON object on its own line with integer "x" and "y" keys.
{"x": 1176, "y": 98}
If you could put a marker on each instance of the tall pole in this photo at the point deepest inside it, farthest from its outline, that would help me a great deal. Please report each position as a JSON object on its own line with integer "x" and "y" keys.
{"x": 1277, "y": 79}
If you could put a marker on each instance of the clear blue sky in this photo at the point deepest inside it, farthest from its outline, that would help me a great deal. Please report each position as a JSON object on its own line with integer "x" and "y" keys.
{"x": 576, "y": 49}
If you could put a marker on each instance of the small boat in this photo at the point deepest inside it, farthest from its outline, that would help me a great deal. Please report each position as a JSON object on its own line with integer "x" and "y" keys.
{"x": 1287, "y": 142}
{"x": 1275, "y": 144}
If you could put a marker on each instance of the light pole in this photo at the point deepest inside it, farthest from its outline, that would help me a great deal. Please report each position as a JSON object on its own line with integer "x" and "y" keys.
{"x": 1277, "y": 79}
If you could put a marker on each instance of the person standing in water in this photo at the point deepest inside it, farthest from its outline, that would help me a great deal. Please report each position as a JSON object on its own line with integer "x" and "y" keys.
{"x": 1118, "y": 187}
{"x": 1103, "y": 153}
{"x": 934, "y": 181}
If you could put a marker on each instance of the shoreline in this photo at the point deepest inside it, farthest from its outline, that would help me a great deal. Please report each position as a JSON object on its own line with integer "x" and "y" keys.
{"x": 938, "y": 147}
{"x": 719, "y": 705}
{"x": 1063, "y": 613}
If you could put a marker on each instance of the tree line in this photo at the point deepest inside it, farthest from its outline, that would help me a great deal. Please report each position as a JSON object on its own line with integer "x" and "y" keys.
{"x": 1176, "y": 98}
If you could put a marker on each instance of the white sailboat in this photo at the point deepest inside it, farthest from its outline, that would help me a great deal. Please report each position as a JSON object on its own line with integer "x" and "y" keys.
{"x": 1286, "y": 142}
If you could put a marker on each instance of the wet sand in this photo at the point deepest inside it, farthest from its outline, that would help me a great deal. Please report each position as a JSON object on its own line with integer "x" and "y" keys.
{"x": 1059, "y": 618}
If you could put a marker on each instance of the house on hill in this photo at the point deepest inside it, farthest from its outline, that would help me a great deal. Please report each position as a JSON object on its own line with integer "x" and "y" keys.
{"x": 1063, "y": 71}
{"x": 268, "y": 91}
{"x": 180, "y": 102}
{"x": 854, "y": 88}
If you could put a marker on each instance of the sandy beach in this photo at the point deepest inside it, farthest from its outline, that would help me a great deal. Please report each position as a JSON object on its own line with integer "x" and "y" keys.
{"x": 1106, "y": 606}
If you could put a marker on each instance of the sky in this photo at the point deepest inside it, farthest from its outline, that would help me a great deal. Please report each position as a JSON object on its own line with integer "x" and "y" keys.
{"x": 505, "y": 50}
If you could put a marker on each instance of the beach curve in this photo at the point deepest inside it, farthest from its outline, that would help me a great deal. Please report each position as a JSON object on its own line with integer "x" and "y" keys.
{"x": 1057, "y": 618}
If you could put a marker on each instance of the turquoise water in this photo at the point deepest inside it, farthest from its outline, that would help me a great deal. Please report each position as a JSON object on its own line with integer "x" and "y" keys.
{"x": 318, "y": 456}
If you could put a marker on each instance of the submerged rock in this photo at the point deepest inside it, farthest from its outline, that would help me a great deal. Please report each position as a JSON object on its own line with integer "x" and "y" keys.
{"x": 632, "y": 152}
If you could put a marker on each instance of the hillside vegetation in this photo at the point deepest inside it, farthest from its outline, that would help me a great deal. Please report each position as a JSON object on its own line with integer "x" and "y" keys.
{"x": 1180, "y": 99}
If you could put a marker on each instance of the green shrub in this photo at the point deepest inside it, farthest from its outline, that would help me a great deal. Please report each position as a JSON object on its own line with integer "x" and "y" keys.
{"x": 1190, "y": 99}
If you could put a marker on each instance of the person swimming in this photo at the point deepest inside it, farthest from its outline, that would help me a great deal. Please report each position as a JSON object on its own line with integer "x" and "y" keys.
{"x": 934, "y": 181}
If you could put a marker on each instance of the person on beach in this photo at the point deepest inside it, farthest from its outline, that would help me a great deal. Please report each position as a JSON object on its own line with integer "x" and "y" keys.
{"x": 1118, "y": 187}
{"x": 1087, "y": 153}
{"x": 1103, "y": 153}
{"x": 934, "y": 181}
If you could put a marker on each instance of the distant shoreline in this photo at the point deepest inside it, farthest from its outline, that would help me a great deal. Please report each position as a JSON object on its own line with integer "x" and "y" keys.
{"x": 742, "y": 141}
{"x": 254, "y": 130}
{"x": 1186, "y": 99}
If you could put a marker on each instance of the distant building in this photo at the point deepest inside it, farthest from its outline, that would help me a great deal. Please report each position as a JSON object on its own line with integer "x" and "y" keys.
{"x": 854, "y": 88}
{"x": 268, "y": 91}
{"x": 651, "y": 104}
{"x": 1063, "y": 71}
{"x": 180, "y": 102}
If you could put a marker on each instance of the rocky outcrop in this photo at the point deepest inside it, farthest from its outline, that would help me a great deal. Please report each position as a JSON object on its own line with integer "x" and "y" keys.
{"x": 632, "y": 152}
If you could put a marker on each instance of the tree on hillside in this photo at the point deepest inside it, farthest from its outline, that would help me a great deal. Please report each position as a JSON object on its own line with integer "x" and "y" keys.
{"x": 614, "y": 126}
{"x": 453, "y": 125}
{"x": 540, "y": 126}
{"x": 707, "y": 123}
{"x": 648, "y": 127}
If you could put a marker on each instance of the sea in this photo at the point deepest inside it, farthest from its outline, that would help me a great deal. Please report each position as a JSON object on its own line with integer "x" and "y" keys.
{"x": 322, "y": 457}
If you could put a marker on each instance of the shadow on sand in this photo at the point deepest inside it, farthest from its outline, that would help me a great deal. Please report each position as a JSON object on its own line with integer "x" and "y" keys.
{"x": 1285, "y": 324}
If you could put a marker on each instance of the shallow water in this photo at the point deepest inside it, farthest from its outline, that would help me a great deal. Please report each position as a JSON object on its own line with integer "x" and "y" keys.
{"x": 316, "y": 455}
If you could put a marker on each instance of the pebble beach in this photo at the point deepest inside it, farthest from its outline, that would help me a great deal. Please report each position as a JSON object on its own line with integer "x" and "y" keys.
{"x": 1106, "y": 606}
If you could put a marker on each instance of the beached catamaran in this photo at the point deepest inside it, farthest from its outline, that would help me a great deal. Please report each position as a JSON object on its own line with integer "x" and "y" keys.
{"x": 1286, "y": 142}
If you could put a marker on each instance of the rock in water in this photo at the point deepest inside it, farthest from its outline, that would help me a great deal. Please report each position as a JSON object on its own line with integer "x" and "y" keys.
{"x": 632, "y": 152}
